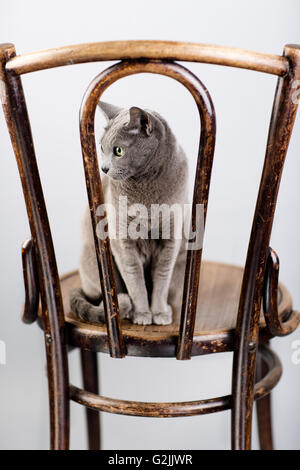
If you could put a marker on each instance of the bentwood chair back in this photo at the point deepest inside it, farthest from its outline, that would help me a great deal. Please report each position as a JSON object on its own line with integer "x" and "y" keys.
{"x": 241, "y": 310}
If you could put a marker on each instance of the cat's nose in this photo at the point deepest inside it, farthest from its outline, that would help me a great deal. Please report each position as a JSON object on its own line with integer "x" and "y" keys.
{"x": 104, "y": 169}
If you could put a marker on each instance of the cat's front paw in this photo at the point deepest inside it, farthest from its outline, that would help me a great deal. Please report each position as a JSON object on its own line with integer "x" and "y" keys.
{"x": 163, "y": 318}
{"x": 142, "y": 318}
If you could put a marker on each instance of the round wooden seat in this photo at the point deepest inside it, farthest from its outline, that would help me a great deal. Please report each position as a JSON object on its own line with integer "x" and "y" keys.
{"x": 219, "y": 293}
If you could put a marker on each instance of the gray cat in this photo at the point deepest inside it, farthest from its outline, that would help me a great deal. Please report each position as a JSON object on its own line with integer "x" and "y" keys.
{"x": 142, "y": 160}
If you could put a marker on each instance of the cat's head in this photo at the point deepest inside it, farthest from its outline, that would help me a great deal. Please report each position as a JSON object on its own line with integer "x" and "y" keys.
{"x": 130, "y": 141}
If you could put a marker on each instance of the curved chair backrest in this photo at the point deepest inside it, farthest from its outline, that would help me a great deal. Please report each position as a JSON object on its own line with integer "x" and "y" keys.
{"x": 154, "y": 57}
{"x": 201, "y": 190}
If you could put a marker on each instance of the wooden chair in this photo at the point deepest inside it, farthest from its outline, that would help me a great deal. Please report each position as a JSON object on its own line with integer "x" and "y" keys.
{"x": 241, "y": 309}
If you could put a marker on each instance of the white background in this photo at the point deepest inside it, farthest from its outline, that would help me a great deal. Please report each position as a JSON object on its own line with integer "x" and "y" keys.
{"x": 243, "y": 101}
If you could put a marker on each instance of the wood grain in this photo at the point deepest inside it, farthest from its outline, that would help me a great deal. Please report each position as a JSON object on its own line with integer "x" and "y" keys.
{"x": 224, "y": 290}
{"x": 266, "y": 383}
{"x": 96, "y": 197}
{"x": 247, "y": 334}
{"x": 218, "y": 300}
{"x": 17, "y": 119}
{"x": 163, "y": 50}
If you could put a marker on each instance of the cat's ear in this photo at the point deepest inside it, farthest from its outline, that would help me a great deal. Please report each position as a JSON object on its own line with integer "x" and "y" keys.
{"x": 140, "y": 121}
{"x": 110, "y": 111}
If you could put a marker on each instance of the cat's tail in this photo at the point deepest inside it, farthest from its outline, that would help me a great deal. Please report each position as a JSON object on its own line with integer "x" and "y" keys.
{"x": 87, "y": 311}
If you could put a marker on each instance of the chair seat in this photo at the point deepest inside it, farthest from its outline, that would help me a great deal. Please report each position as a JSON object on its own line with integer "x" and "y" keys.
{"x": 220, "y": 286}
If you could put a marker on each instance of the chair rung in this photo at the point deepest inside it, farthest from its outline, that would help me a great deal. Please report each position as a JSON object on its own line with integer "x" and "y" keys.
{"x": 150, "y": 409}
{"x": 179, "y": 409}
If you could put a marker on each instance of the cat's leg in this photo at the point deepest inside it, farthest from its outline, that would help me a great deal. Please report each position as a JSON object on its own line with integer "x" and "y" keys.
{"x": 88, "y": 270}
{"x": 131, "y": 268}
{"x": 177, "y": 281}
{"x": 163, "y": 266}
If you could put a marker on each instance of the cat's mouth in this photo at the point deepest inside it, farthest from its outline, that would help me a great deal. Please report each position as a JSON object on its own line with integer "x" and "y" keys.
{"x": 117, "y": 174}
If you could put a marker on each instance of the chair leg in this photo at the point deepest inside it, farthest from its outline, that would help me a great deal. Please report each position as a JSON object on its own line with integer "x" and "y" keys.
{"x": 243, "y": 379}
{"x": 89, "y": 364}
{"x": 263, "y": 410}
{"x": 59, "y": 403}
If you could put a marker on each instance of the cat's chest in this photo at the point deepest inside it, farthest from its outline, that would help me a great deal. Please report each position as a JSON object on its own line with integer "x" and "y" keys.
{"x": 148, "y": 196}
{"x": 148, "y": 249}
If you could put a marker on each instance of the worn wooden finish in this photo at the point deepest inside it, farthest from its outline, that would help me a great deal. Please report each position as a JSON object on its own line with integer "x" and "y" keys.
{"x": 15, "y": 111}
{"x": 218, "y": 300}
{"x": 180, "y": 409}
{"x": 96, "y": 199}
{"x": 263, "y": 409}
{"x": 148, "y": 409}
{"x": 283, "y": 116}
{"x": 260, "y": 277}
{"x": 95, "y": 193}
{"x": 287, "y": 322}
{"x": 31, "y": 283}
{"x": 162, "y": 50}
{"x": 273, "y": 371}
{"x": 89, "y": 365}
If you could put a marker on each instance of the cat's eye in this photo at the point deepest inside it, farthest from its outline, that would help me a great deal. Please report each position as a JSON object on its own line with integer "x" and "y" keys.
{"x": 118, "y": 151}
{"x": 102, "y": 150}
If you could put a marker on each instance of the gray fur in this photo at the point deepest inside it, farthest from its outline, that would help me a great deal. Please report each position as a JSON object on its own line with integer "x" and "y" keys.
{"x": 153, "y": 170}
{"x": 89, "y": 312}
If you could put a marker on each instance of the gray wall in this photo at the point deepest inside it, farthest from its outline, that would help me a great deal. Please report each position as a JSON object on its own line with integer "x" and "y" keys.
{"x": 243, "y": 103}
